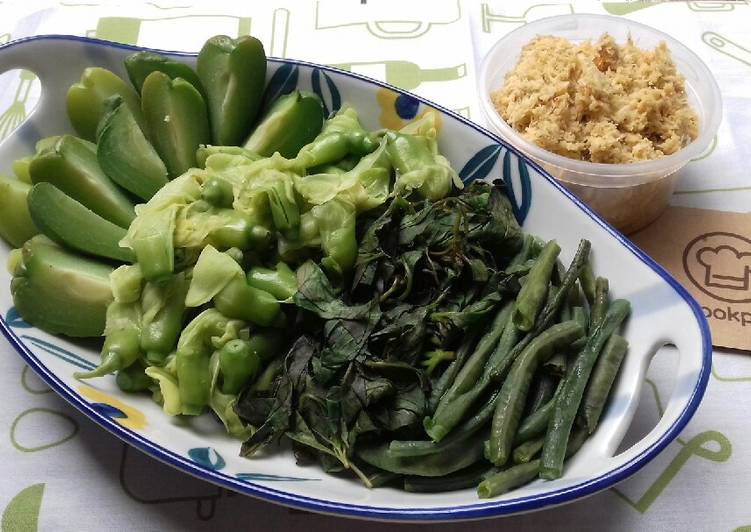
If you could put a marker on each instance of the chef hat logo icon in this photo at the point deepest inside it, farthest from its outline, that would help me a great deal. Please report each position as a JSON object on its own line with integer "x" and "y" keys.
{"x": 726, "y": 267}
{"x": 719, "y": 264}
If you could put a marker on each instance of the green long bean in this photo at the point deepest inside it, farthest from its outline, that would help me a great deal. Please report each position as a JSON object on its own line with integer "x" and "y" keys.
{"x": 552, "y": 307}
{"x": 536, "y": 423}
{"x": 502, "y": 357}
{"x": 521, "y": 474}
{"x": 472, "y": 369}
{"x": 447, "y": 377}
{"x": 461, "y": 433}
{"x": 466, "y": 478}
{"x": 514, "y": 390}
{"x": 458, "y": 456}
{"x": 524, "y": 253}
{"x": 603, "y": 376}
{"x": 580, "y": 316}
{"x": 445, "y": 418}
{"x": 528, "y": 450}
{"x": 509, "y": 347}
{"x": 508, "y": 479}
{"x": 587, "y": 280}
{"x": 531, "y": 297}
{"x": 556, "y": 365}
{"x": 545, "y": 386}
{"x": 600, "y": 304}
{"x": 567, "y": 403}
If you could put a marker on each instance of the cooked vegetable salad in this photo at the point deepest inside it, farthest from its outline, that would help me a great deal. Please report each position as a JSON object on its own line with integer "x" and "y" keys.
{"x": 306, "y": 279}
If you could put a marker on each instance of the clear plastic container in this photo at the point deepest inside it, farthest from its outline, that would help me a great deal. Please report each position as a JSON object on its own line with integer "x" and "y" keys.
{"x": 629, "y": 196}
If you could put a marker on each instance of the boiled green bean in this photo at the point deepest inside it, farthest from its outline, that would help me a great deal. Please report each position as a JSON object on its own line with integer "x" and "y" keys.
{"x": 514, "y": 390}
{"x": 455, "y": 457}
{"x": 587, "y": 280}
{"x": 603, "y": 376}
{"x": 521, "y": 474}
{"x": 462, "y": 432}
{"x": 545, "y": 386}
{"x": 600, "y": 304}
{"x": 448, "y": 376}
{"x": 567, "y": 403}
{"x": 445, "y": 418}
{"x": 531, "y": 297}
{"x": 528, "y": 450}
{"x": 556, "y": 365}
{"x": 536, "y": 423}
{"x": 466, "y": 478}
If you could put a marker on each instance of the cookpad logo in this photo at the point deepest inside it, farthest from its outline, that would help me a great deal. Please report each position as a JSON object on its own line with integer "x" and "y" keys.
{"x": 719, "y": 264}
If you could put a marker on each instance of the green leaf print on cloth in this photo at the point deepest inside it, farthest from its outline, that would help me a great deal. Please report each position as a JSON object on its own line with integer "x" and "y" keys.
{"x": 695, "y": 446}
{"x": 735, "y": 378}
{"x": 22, "y": 512}
{"x": 624, "y": 8}
{"x": 26, "y": 434}
{"x": 725, "y": 46}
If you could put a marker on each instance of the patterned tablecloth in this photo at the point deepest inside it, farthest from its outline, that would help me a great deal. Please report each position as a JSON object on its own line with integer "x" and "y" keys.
{"x": 61, "y": 472}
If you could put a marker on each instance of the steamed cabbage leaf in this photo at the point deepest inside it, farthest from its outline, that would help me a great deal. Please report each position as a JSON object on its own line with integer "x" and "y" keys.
{"x": 366, "y": 186}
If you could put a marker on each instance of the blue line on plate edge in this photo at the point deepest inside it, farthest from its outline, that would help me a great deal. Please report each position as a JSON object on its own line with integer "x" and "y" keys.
{"x": 60, "y": 353}
{"x": 427, "y": 514}
{"x": 271, "y": 478}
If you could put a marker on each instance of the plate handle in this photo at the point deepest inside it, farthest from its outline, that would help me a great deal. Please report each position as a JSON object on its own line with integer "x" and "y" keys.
{"x": 57, "y": 64}
{"x": 691, "y": 374}
{"x": 31, "y": 54}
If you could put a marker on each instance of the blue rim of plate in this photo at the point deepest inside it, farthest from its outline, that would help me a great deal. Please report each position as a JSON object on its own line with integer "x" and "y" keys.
{"x": 449, "y": 513}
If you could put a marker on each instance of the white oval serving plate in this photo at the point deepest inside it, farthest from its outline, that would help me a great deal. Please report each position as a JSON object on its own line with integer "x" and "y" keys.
{"x": 663, "y": 312}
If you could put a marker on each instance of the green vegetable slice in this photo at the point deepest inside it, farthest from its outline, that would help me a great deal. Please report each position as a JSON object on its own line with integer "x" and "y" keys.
{"x": 125, "y": 155}
{"x": 16, "y": 224}
{"x": 71, "y": 165}
{"x": 291, "y": 122}
{"x": 71, "y": 224}
{"x": 59, "y": 291}
{"x": 233, "y": 71}
{"x": 177, "y": 120}
{"x": 85, "y": 100}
